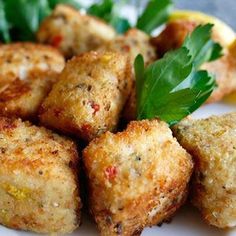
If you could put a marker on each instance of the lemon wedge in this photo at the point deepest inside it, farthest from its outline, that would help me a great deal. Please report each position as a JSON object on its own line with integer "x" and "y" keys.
{"x": 226, "y": 32}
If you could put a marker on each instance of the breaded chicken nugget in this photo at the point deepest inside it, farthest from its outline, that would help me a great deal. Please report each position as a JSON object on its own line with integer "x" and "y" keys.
{"x": 73, "y": 32}
{"x": 137, "y": 178}
{"x": 225, "y": 71}
{"x": 27, "y": 72}
{"x": 19, "y": 60}
{"x": 89, "y": 96}
{"x": 22, "y": 98}
{"x": 133, "y": 42}
{"x": 38, "y": 179}
{"x": 212, "y": 142}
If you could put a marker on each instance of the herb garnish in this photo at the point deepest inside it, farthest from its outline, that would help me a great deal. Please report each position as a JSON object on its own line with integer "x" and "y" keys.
{"x": 108, "y": 11}
{"x": 201, "y": 46}
{"x": 4, "y": 26}
{"x": 155, "y": 14}
{"x": 24, "y": 17}
{"x": 102, "y": 10}
{"x": 73, "y": 3}
{"x": 173, "y": 87}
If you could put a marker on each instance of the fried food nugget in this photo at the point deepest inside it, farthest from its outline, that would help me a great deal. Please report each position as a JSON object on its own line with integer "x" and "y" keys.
{"x": 133, "y": 42}
{"x": 38, "y": 179}
{"x": 225, "y": 71}
{"x": 27, "y": 72}
{"x": 22, "y": 98}
{"x": 73, "y": 32}
{"x": 137, "y": 178}
{"x": 89, "y": 96}
{"x": 212, "y": 142}
{"x": 19, "y": 60}
{"x": 184, "y": 22}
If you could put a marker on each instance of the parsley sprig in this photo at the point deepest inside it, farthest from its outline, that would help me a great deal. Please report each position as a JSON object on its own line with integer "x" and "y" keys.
{"x": 201, "y": 46}
{"x": 155, "y": 14}
{"x": 109, "y": 11}
{"x": 172, "y": 88}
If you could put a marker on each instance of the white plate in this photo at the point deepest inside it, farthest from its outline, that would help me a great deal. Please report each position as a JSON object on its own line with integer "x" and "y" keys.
{"x": 187, "y": 221}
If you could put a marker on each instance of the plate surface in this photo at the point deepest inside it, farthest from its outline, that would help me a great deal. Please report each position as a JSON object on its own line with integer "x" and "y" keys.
{"x": 187, "y": 221}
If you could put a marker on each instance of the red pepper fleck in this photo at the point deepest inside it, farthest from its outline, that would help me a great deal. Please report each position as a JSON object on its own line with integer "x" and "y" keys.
{"x": 86, "y": 129}
{"x": 7, "y": 123}
{"x": 111, "y": 172}
{"x": 56, "y": 41}
{"x": 126, "y": 48}
{"x": 95, "y": 107}
{"x": 57, "y": 112}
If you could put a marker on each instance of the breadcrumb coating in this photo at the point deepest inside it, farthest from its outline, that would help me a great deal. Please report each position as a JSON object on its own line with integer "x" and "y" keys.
{"x": 27, "y": 72}
{"x": 89, "y": 96}
{"x": 38, "y": 179}
{"x": 212, "y": 143}
{"x": 73, "y": 32}
{"x": 137, "y": 178}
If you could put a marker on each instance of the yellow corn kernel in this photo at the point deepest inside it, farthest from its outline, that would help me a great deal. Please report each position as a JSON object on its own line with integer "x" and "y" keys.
{"x": 3, "y": 214}
{"x": 19, "y": 194}
{"x": 106, "y": 58}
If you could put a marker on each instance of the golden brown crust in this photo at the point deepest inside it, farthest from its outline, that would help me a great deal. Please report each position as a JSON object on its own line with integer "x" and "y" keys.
{"x": 38, "y": 179}
{"x": 137, "y": 177}
{"x": 89, "y": 96}
{"x": 22, "y": 98}
{"x": 27, "y": 72}
{"x": 173, "y": 35}
{"x": 133, "y": 42}
{"x": 17, "y": 60}
{"x": 212, "y": 142}
{"x": 72, "y": 32}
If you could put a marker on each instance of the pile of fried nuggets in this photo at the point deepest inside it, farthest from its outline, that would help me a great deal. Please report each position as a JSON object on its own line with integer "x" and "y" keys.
{"x": 138, "y": 177}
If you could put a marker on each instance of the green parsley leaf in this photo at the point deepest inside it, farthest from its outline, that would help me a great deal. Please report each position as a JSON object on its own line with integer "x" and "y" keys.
{"x": 139, "y": 71}
{"x": 107, "y": 11}
{"x": 4, "y": 25}
{"x": 171, "y": 88}
{"x": 202, "y": 49}
{"x": 102, "y": 10}
{"x": 25, "y": 17}
{"x": 217, "y": 51}
{"x": 156, "y": 13}
{"x": 73, "y": 3}
{"x": 121, "y": 25}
